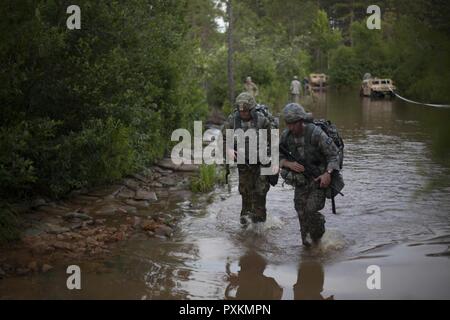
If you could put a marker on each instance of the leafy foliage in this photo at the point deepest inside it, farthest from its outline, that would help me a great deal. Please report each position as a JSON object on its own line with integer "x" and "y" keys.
{"x": 208, "y": 177}
{"x": 84, "y": 107}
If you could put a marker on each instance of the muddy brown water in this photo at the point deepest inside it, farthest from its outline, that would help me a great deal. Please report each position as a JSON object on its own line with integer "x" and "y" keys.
{"x": 395, "y": 214}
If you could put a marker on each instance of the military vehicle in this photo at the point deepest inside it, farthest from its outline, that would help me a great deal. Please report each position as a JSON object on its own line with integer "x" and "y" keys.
{"x": 377, "y": 88}
{"x": 318, "y": 81}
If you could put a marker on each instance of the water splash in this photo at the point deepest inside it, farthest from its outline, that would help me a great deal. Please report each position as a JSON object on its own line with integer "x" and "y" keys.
{"x": 272, "y": 223}
{"x": 332, "y": 241}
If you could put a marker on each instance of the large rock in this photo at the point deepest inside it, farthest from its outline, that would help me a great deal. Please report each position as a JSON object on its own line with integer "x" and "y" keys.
{"x": 163, "y": 230}
{"x": 131, "y": 184}
{"x": 126, "y": 193}
{"x": 161, "y": 171}
{"x": 146, "y": 195}
{"x": 77, "y": 215}
{"x": 168, "y": 164}
{"x": 128, "y": 209}
{"x": 138, "y": 204}
{"x": 55, "y": 229}
{"x": 156, "y": 184}
{"x": 105, "y": 191}
{"x": 168, "y": 181}
{"x": 76, "y": 226}
{"x": 62, "y": 245}
{"x": 107, "y": 210}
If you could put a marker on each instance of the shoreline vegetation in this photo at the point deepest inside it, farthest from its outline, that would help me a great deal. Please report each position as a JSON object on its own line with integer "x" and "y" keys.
{"x": 209, "y": 176}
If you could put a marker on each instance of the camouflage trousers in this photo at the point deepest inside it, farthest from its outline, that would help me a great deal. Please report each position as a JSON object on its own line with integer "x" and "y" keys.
{"x": 309, "y": 200}
{"x": 253, "y": 189}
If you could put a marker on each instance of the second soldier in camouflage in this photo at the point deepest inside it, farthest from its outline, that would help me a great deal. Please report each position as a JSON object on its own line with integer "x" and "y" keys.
{"x": 309, "y": 142}
{"x": 253, "y": 186}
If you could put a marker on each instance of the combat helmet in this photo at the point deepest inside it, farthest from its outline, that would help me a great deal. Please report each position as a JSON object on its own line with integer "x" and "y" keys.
{"x": 245, "y": 102}
{"x": 294, "y": 112}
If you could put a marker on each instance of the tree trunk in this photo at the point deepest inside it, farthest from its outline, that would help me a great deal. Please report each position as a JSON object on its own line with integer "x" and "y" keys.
{"x": 352, "y": 18}
{"x": 230, "y": 52}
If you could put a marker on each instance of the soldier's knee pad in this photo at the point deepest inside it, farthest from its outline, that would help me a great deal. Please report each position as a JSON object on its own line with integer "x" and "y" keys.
{"x": 316, "y": 201}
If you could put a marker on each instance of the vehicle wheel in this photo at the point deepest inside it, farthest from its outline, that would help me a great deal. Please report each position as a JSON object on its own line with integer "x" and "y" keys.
{"x": 361, "y": 92}
{"x": 373, "y": 94}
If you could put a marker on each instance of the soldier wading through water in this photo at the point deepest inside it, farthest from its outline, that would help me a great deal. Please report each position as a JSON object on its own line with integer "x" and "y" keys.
{"x": 253, "y": 186}
{"x": 307, "y": 141}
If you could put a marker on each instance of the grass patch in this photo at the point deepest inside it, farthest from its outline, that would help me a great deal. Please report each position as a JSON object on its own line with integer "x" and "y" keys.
{"x": 208, "y": 177}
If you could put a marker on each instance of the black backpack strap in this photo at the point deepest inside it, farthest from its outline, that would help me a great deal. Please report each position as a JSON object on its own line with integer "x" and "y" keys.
{"x": 237, "y": 120}
{"x": 309, "y": 130}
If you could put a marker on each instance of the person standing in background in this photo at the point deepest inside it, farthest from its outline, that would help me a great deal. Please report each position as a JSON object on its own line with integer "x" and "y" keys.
{"x": 295, "y": 90}
{"x": 250, "y": 87}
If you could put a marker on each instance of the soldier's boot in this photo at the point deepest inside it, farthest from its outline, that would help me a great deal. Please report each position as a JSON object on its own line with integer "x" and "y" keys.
{"x": 246, "y": 209}
{"x": 260, "y": 214}
{"x": 304, "y": 230}
{"x": 317, "y": 225}
{"x": 305, "y": 241}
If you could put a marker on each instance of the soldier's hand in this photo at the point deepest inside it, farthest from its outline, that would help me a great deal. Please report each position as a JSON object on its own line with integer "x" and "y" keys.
{"x": 231, "y": 154}
{"x": 296, "y": 167}
{"x": 275, "y": 169}
{"x": 325, "y": 180}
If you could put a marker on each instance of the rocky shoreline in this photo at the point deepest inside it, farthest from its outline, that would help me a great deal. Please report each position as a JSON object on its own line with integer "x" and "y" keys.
{"x": 89, "y": 224}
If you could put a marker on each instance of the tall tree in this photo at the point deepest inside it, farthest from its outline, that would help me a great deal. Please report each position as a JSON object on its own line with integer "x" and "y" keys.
{"x": 231, "y": 93}
{"x": 324, "y": 39}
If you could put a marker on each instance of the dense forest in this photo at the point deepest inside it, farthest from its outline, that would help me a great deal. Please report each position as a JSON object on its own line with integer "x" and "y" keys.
{"x": 86, "y": 107}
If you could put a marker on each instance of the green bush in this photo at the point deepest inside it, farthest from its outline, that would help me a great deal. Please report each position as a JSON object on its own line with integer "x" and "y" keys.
{"x": 23, "y": 148}
{"x": 85, "y": 107}
{"x": 344, "y": 68}
{"x": 208, "y": 177}
{"x": 8, "y": 224}
{"x": 102, "y": 152}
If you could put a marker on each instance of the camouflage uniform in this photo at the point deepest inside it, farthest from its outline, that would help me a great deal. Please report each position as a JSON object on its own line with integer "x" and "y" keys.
{"x": 253, "y": 187}
{"x": 319, "y": 152}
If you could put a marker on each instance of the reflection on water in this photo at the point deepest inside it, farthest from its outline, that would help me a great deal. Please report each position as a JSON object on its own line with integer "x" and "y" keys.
{"x": 310, "y": 281}
{"x": 397, "y": 175}
{"x": 250, "y": 282}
